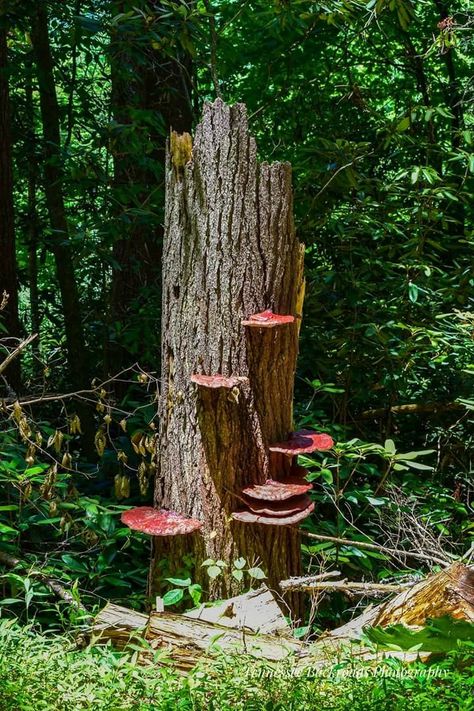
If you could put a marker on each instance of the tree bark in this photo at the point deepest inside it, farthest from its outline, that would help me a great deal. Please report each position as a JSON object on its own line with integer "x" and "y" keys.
{"x": 230, "y": 251}
{"x": 53, "y": 188}
{"x": 8, "y": 272}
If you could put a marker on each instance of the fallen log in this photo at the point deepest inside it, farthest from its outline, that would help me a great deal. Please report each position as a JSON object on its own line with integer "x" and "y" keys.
{"x": 184, "y": 640}
{"x": 255, "y": 610}
{"x": 449, "y": 592}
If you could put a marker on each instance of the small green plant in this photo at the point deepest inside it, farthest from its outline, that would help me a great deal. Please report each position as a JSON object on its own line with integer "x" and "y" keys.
{"x": 240, "y": 569}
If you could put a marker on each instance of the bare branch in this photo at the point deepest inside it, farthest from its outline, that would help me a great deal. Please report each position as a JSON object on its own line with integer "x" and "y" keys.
{"x": 11, "y": 356}
{"x": 382, "y": 549}
{"x": 54, "y": 585}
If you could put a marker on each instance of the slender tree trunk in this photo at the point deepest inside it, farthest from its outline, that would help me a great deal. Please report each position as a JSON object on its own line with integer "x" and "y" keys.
{"x": 53, "y": 187}
{"x": 145, "y": 82}
{"x": 8, "y": 273}
{"x": 32, "y": 213}
{"x": 230, "y": 251}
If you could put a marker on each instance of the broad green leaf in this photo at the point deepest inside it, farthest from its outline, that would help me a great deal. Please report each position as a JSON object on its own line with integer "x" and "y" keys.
{"x": 173, "y": 596}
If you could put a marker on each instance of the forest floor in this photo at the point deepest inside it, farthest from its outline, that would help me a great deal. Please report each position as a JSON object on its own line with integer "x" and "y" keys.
{"x": 51, "y": 673}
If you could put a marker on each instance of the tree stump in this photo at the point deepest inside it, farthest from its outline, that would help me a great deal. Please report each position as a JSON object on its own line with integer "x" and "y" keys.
{"x": 230, "y": 251}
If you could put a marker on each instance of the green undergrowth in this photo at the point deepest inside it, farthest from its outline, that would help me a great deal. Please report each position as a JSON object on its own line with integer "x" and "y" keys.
{"x": 39, "y": 672}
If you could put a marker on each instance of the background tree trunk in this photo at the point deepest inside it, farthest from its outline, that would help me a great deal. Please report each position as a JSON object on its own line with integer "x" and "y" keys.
{"x": 230, "y": 251}
{"x": 53, "y": 188}
{"x": 151, "y": 91}
{"x": 8, "y": 273}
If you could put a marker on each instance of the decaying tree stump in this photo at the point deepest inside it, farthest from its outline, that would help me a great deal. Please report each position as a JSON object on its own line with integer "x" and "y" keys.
{"x": 230, "y": 251}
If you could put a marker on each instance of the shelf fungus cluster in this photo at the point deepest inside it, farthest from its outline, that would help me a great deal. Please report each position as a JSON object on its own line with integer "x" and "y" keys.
{"x": 276, "y": 502}
{"x": 283, "y": 503}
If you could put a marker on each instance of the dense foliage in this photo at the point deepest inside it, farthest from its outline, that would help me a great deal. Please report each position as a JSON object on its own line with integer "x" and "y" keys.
{"x": 371, "y": 103}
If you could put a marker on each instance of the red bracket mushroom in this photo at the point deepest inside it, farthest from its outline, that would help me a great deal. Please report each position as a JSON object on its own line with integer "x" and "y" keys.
{"x": 280, "y": 503}
{"x": 288, "y": 507}
{"x": 249, "y": 517}
{"x": 159, "y": 522}
{"x": 267, "y": 319}
{"x": 277, "y": 490}
{"x": 303, "y": 442}
{"x": 216, "y": 382}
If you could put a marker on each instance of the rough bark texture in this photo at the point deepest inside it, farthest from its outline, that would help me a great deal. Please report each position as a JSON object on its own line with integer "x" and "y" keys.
{"x": 230, "y": 251}
{"x": 8, "y": 275}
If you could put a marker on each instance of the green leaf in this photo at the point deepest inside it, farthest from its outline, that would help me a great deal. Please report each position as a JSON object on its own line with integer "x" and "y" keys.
{"x": 403, "y": 124}
{"x": 173, "y": 596}
{"x": 327, "y": 476}
{"x": 214, "y": 571}
{"x": 7, "y": 529}
{"x": 414, "y": 455}
{"x": 389, "y": 446}
{"x": 195, "y": 590}
{"x": 182, "y": 582}
{"x": 418, "y": 465}
{"x": 413, "y": 292}
{"x": 256, "y": 573}
{"x": 74, "y": 564}
{"x": 209, "y": 561}
{"x": 240, "y": 563}
{"x": 375, "y": 501}
{"x": 238, "y": 575}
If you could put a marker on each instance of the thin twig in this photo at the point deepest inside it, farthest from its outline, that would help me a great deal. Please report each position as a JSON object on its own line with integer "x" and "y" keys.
{"x": 295, "y": 583}
{"x": 357, "y": 588}
{"x": 11, "y": 356}
{"x": 54, "y": 585}
{"x": 375, "y": 547}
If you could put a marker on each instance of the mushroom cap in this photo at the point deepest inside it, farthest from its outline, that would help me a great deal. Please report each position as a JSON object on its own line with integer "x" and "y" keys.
{"x": 249, "y": 517}
{"x": 287, "y": 507}
{"x": 278, "y": 490}
{"x": 267, "y": 319}
{"x": 303, "y": 442}
{"x": 217, "y": 381}
{"x": 159, "y": 522}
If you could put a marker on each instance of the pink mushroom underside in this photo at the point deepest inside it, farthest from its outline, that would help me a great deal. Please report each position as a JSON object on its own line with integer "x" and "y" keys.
{"x": 303, "y": 442}
{"x": 267, "y": 319}
{"x": 159, "y": 522}
{"x": 278, "y": 490}
{"x": 217, "y": 381}
{"x": 249, "y": 517}
{"x": 287, "y": 507}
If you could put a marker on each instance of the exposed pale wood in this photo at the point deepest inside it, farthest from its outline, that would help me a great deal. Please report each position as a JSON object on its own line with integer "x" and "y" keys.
{"x": 255, "y": 610}
{"x": 118, "y": 624}
{"x": 187, "y": 640}
{"x": 345, "y": 586}
{"x": 450, "y": 592}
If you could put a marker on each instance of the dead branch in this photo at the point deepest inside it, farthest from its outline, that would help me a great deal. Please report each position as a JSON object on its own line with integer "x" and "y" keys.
{"x": 410, "y": 408}
{"x": 11, "y": 356}
{"x": 295, "y": 583}
{"x": 54, "y": 585}
{"x": 382, "y": 549}
{"x": 347, "y": 586}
